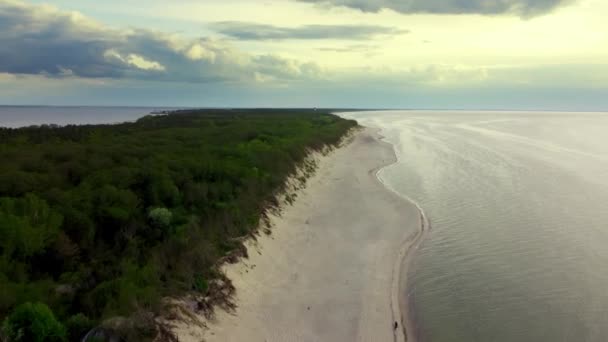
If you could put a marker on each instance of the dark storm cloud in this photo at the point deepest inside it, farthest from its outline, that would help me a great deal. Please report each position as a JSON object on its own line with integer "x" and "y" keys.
{"x": 524, "y": 8}
{"x": 254, "y": 31}
{"x": 41, "y": 40}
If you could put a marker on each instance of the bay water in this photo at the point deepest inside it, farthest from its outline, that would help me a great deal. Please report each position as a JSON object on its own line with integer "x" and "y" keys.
{"x": 22, "y": 116}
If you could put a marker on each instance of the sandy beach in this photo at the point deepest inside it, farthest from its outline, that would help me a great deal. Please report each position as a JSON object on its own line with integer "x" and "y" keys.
{"x": 332, "y": 268}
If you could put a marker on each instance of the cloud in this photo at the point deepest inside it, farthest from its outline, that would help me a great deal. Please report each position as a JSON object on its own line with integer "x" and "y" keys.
{"x": 454, "y": 76}
{"x": 42, "y": 40}
{"x": 254, "y": 31}
{"x": 354, "y": 48}
{"x": 426, "y": 75}
{"x": 523, "y": 8}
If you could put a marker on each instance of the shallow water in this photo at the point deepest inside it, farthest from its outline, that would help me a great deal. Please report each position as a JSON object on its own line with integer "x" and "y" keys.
{"x": 518, "y": 203}
{"x": 19, "y": 116}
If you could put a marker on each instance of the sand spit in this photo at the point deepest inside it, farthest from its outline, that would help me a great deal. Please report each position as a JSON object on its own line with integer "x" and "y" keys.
{"x": 332, "y": 269}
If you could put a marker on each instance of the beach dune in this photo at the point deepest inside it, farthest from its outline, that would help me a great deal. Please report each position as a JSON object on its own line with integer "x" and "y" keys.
{"x": 330, "y": 269}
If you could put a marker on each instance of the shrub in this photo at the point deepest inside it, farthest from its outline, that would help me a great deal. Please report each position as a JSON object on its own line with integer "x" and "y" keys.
{"x": 160, "y": 217}
{"x": 78, "y": 326}
{"x": 200, "y": 283}
{"x": 33, "y": 322}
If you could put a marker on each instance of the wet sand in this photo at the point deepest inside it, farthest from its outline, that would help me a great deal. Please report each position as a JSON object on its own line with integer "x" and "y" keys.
{"x": 333, "y": 267}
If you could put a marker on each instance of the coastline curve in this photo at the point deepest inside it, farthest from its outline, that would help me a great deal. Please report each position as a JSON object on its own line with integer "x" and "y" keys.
{"x": 347, "y": 287}
{"x": 399, "y": 295}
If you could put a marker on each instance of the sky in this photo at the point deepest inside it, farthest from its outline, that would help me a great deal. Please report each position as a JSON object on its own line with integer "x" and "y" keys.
{"x": 423, "y": 54}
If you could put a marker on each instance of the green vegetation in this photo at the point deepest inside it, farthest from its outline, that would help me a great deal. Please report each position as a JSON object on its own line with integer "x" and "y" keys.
{"x": 101, "y": 221}
{"x": 33, "y": 323}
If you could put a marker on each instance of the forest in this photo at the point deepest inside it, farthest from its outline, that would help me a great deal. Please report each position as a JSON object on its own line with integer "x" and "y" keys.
{"x": 102, "y": 221}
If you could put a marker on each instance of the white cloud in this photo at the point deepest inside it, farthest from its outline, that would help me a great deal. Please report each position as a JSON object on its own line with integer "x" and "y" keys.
{"x": 198, "y": 52}
{"x": 134, "y": 60}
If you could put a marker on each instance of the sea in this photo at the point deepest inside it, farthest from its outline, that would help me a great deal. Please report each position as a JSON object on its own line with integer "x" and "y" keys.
{"x": 518, "y": 205}
{"x": 22, "y": 116}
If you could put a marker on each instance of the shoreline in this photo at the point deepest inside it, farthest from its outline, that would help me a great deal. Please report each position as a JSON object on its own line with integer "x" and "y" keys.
{"x": 332, "y": 269}
{"x": 399, "y": 294}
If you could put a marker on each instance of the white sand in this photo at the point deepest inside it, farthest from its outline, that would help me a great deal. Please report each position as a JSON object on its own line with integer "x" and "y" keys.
{"x": 330, "y": 269}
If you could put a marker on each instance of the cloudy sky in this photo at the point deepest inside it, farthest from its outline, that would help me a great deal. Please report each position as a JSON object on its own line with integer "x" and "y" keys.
{"x": 480, "y": 54}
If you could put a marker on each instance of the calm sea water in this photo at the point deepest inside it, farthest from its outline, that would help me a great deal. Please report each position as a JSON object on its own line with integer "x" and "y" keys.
{"x": 518, "y": 202}
{"x": 19, "y": 116}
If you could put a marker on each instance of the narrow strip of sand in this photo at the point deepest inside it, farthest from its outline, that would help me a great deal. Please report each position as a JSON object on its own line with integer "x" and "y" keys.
{"x": 330, "y": 271}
